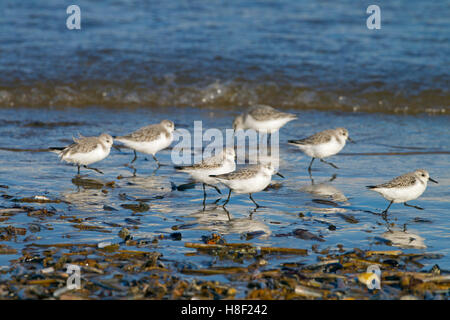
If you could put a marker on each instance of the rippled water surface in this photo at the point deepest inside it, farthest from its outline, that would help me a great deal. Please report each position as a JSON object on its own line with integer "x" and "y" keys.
{"x": 134, "y": 63}
{"x": 386, "y": 146}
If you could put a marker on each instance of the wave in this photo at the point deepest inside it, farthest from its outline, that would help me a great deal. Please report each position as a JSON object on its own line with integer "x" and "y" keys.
{"x": 367, "y": 97}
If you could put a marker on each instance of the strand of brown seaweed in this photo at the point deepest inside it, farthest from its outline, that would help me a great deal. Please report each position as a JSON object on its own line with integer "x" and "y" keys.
{"x": 140, "y": 273}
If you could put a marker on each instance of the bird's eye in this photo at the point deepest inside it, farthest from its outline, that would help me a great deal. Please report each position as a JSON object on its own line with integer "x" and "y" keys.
{"x": 423, "y": 175}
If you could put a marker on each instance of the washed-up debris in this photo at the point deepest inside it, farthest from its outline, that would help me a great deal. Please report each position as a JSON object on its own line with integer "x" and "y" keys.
{"x": 306, "y": 235}
{"x": 214, "y": 238}
{"x": 301, "y": 234}
{"x": 141, "y": 207}
{"x": 40, "y": 199}
{"x": 253, "y": 234}
{"x": 102, "y": 245}
{"x": 109, "y": 208}
{"x": 90, "y": 228}
{"x": 124, "y": 233}
{"x": 421, "y": 220}
{"x": 182, "y": 187}
{"x": 326, "y": 202}
{"x": 4, "y": 249}
{"x": 184, "y": 226}
{"x": 244, "y": 247}
{"x": 11, "y": 211}
{"x": 348, "y": 217}
{"x": 176, "y": 236}
{"x": 116, "y": 270}
{"x": 132, "y": 221}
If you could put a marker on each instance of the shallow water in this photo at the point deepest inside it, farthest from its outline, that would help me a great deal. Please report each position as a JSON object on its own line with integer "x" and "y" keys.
{"x": 136, "y": 62}
{"x": 423, "y": 139}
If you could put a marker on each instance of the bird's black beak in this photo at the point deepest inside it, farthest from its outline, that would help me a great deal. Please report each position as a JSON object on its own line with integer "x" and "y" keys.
{"x": 432, "y": 180}
{"x": 280, "y": 175}
{"x": 351, "y": 140}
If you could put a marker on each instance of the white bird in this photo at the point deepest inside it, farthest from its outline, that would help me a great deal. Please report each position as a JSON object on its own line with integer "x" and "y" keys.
{"x": 249, "y": 180}
{"x": 262, "y": 118}
{"x": 406, "y": 187}
{"x": 323, "y": 144}
{"x": 149, "y": 139}
{"x": 86, "y": 150}
{"x": 219, "y": 164}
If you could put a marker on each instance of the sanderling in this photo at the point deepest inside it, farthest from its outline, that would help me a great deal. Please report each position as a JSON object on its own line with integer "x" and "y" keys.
{"x": 323, "y": 144}
{"x": 149, "y": 139}
{"x": 262, "y": 118}
{"x": 249, "y": 180}
{"x": 219, "y": 164}
{"x": 86, "y": 150}
{"x": 404, "y": 188}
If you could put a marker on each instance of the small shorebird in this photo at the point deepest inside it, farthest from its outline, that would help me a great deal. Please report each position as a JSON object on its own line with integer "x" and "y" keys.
{"x": 249, "y": 180}
{"x": 263, "y": 119}
{"x": 86, "y": 150}
{"x": 323, "y": 144}
{"x": 215, "y": 165}
{"x": 149, "y": 139}
{"x": 404, "y": 188}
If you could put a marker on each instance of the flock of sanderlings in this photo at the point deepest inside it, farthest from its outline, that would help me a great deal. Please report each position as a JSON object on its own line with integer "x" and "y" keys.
{"x": 221, "y": 168}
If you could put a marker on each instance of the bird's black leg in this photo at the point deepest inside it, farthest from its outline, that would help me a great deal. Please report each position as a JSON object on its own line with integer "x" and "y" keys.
{"x": 156, "y": 160}
{"x": 228, "y": 199}
{"x": 228, "y": 213}
{"x": 251, "y": 198}
{"x": 310, "y": 165}
{"x": 386, "y": 210}
{"x": 333, "y": 177}
{"x": 95, "y": 169}
{"x": 204, "y": 196}
{"x": 217, "y": 189}
{"x": 331, "y": 164}
{"x": 78, "y": 169}
{"x": 417, "y": 207}
{"x": 135, "y": 157}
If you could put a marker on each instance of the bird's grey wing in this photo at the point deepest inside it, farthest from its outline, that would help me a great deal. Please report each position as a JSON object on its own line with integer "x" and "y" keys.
{"x": 148, "y": 133}
{"x": 401, "y": 181}
{"x": 239, "y": 174}
{"x": 263, "y": 112}
{"x": 83, "y": 145}
{"x": 320, "y": 137}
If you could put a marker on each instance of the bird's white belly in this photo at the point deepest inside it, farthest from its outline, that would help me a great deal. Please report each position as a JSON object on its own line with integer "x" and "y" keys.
{"x": 269, "y": 126}
{"x": 399, "y": 195}
{"x": 149, "y": 147}
{"x": 322, "y": 150}
{"x": 87, "y": 158}
{"x": 251, "y": 185}
{"x": 204, "y": 175}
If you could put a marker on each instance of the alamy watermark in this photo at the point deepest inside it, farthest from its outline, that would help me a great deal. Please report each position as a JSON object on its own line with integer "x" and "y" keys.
{"x": 74, "y": 279}
{"x": 374, "y": 20}
{"x": 74, "y": 20}
{"x": 374, "y": 281}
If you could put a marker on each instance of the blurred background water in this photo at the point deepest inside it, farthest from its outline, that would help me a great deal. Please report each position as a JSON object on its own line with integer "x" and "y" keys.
{"x": 137, "y": 62}
{"x": 289, "y": 53}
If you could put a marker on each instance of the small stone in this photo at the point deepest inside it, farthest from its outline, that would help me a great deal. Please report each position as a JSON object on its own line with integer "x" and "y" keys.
{"x": 175, "y": 236}
{"x": 103, "y": 244}
{"x": 124, "y": 233}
